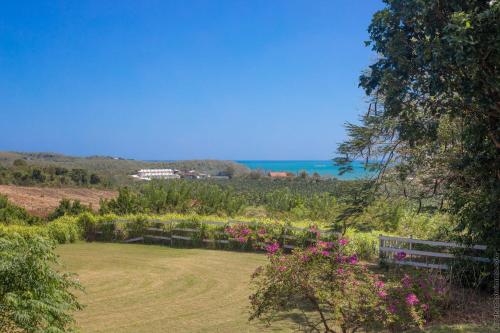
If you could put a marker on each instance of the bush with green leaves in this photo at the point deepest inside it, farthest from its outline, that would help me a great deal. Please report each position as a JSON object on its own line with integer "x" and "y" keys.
{"x": 12, "y": 214}
{"x": 34, "y": 296}
{"x": 68, "y": 207}
{"x": 333, "y": 292}
{"x": 63, "y": 230}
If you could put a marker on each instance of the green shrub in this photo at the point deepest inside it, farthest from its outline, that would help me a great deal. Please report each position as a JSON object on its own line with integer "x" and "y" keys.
{"x": 64, "y": 230}
{"x": 364, "y": 244}
{"x": 11, "y": 214}
{"x": 34, "y": 295}
{"x": 68, "y": 207}
{"x": 24, "y": 230}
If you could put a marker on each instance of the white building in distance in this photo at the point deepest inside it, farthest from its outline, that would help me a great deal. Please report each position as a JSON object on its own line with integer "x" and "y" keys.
{"x": 148, "y": 174}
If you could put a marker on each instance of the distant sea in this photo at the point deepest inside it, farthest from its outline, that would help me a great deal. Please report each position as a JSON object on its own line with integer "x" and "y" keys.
{"x": 324, "y": 168}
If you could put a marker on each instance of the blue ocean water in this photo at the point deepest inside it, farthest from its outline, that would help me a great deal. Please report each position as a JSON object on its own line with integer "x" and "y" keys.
{"x": 324, "y": 168}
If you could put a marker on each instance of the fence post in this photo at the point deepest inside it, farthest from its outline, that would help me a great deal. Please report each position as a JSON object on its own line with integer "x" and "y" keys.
{"x": 411, "y": 246}
{"x": 380, "y": 246}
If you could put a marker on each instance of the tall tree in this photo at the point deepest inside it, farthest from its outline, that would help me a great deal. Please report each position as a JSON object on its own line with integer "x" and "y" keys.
{"x": 433, "y": 122}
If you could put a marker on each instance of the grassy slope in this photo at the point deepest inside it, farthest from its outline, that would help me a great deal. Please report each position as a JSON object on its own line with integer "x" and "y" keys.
{"x": 140, "y": 288}
{"x": 41, "y": 201}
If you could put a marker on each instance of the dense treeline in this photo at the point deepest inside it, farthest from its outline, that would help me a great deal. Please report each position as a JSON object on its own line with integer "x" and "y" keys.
{"x": 336, "y": 209}
{"x": 277, "y": 198}
{"x": 175, "y": 196}
{"x": 20, "y": 173}
{"x": 116, "y": 171}
{"x": 256, "y": 188}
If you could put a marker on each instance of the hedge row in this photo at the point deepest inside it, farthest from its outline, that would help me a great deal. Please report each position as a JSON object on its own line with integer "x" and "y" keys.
{"x": 247, "y": 234}
{"x": 62, "y": 230}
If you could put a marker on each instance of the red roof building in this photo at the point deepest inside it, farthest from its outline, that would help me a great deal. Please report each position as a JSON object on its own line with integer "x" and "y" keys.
{"x": 278, "y": 174}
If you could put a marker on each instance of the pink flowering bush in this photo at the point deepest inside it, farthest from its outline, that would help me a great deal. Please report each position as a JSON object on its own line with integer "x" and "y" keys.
{"x": 255, "y": 237}
{"x": 415, "y": 299}
{"x": 337, "y": 293}
{"x": 333, "y": 289}
{"x": 240, "y": 232}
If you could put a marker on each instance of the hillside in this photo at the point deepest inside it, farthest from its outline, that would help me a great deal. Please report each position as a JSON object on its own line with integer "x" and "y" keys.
{"x": 41, "y": 201}
{"x": 116, "y": 169}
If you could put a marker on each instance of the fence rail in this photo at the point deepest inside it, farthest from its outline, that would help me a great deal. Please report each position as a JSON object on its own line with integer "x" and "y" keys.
{"x": 436, "y": 255}
{"x": 169, "y": 231}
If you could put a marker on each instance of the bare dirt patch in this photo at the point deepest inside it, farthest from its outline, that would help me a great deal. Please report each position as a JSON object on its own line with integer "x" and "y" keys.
{"x": 41, "y": 201}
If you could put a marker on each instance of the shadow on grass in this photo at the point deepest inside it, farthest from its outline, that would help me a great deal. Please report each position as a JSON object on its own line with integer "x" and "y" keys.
{"x": 461, "y": 328}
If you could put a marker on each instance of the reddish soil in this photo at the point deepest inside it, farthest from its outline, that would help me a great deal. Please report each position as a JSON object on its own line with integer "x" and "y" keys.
{"x": 40, "y": 201}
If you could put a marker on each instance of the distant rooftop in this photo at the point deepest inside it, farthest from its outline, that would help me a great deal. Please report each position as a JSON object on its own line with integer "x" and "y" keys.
{"x": 278, "y": 174}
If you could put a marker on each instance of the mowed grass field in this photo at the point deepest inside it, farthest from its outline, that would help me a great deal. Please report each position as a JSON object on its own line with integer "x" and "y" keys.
{"x": 141, "y": 288}
{"x": 145, "y": 288}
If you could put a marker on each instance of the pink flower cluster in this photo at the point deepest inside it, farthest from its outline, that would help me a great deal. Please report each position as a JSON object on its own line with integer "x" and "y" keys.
{"x": 412, "y": 299}
{"x": 272, "y": 248}
{"x": 400, "y": 256}
{"x": 240, "y": 232}
{"x": 325, "y": 245}
{"x": 343, "y": 242}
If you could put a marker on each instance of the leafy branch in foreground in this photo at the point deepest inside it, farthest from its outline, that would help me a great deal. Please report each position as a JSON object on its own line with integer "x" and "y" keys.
{"x": 34, "y": 297}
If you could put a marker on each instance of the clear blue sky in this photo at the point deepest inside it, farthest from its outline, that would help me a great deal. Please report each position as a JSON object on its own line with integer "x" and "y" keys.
{"x": 182, "y": 79}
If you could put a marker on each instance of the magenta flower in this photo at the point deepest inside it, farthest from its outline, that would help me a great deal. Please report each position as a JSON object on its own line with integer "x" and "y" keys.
{"x": 425, "y": 307}
{"x": 392, "y": 308}
{"x": 412, "y": 299}
{"x": 353, "y": 260}
{"x": 241, "y": 239}
{"x": 406, "y": 281}
{"x": 400, "y": 256}
{"x": 325, "y": 253}
{"x": 382, "y": 294}
{"x": 340, "y": 271}
{"x": 379, "y": 284}
{"x": 272, "y": 248}
{"x": 281, "y": 268}
{"x": 313, "y": 250}
{"x": 343, "y": 242}
{"x": 325, "y": 245}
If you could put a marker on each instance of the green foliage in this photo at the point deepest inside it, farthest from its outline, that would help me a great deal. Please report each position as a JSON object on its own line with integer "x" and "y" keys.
{"x": 79, "y": 176}
{"x": 34, "y": 296}
{"x": 111, "y": 171}
{"x": 11, "y": 214}
{"x": 64, "y": 230}
{"x": 334, "y": 293}
{"x": 433, "y": 124}
{"x": 68, "y": 207}
{"x": 20, "y": 163}
{"x": 363, "y": 244}
{"x": 26, "y": 175}
{"x": 175, "y": 196}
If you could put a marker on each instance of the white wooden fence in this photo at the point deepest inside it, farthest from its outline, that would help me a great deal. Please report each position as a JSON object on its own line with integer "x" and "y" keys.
{"x": 437, "y": 257}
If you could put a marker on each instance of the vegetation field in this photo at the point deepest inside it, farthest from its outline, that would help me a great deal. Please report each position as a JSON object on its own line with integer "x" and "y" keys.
{"x": 40, "y": 201}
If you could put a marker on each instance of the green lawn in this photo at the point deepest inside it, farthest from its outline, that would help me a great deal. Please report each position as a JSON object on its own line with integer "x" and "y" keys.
{"x": 141, "y": 288}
